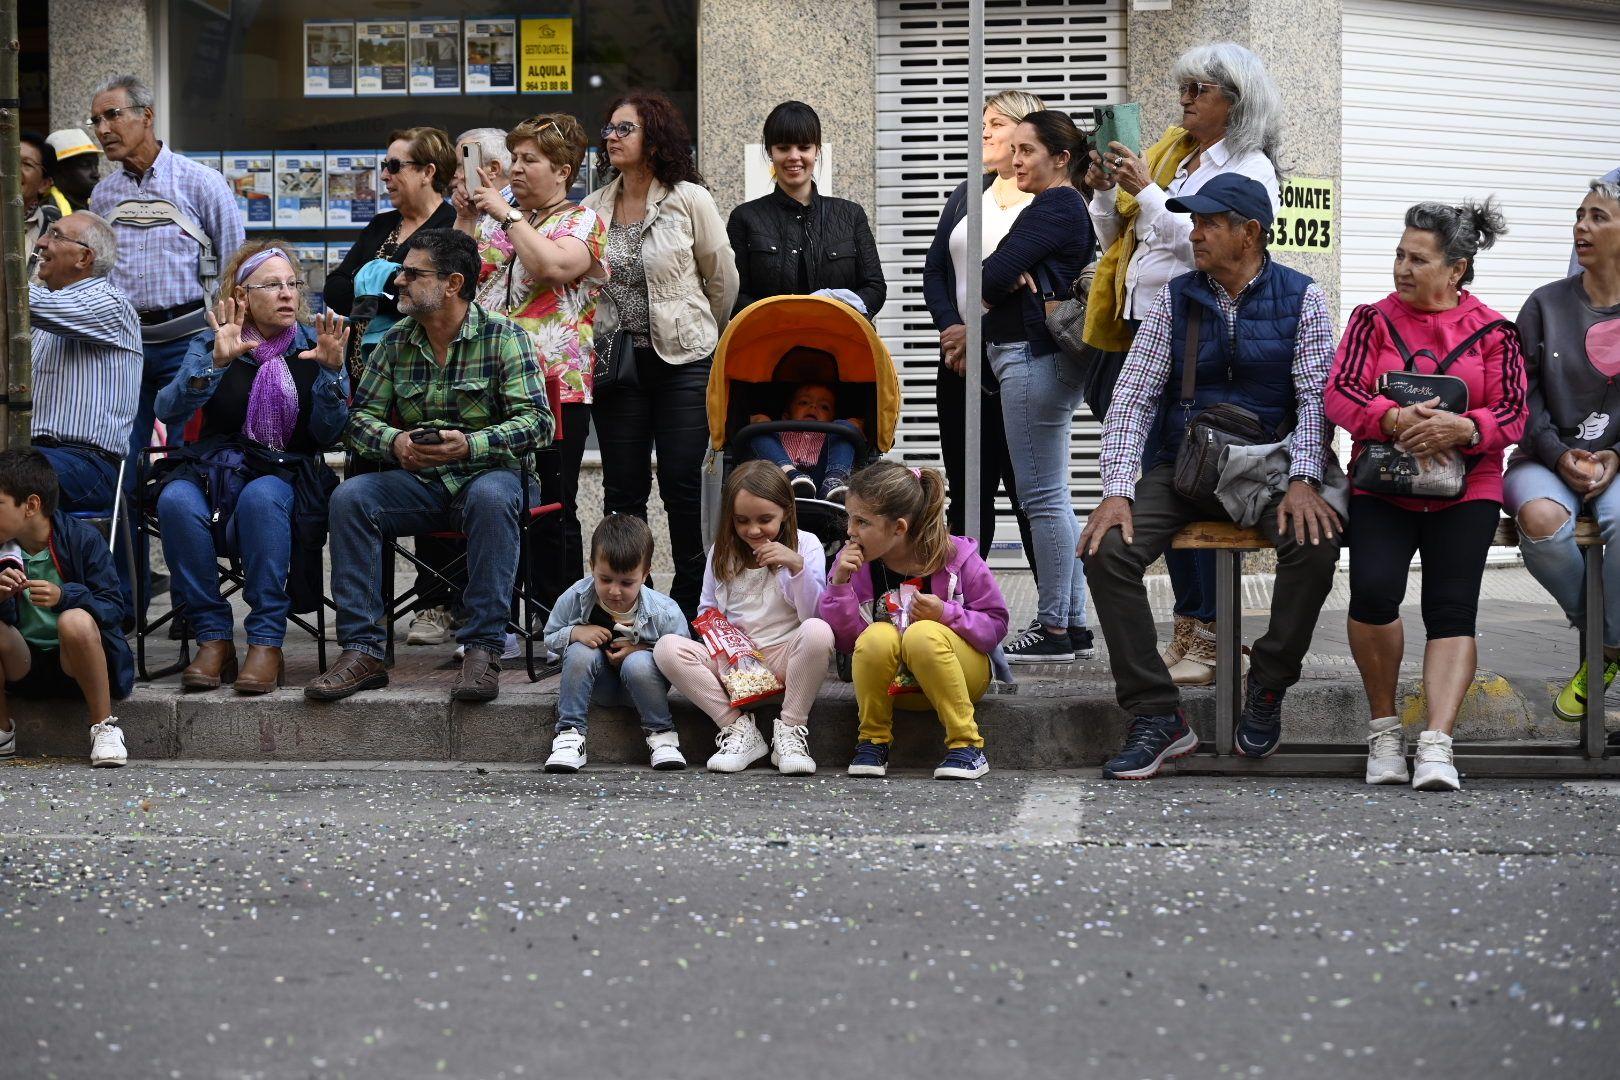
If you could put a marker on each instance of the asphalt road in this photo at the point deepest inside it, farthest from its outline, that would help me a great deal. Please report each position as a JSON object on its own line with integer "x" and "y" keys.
{"x": 223, "y": 923}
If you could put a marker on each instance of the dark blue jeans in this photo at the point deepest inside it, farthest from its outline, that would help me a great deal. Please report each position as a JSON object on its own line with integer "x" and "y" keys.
{"x": 1192, "y": 580}
{"x": 837, "y": 455}
{"x": 86, "y": 481}
{"x": 264, "y": 544}
{"x": 162, "y": 361}
{"x": 367, "y": 508}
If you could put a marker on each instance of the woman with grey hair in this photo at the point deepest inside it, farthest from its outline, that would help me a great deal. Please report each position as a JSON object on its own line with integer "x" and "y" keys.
{"x": 1231, "y": 122}
{"x": 1435, "y": 321}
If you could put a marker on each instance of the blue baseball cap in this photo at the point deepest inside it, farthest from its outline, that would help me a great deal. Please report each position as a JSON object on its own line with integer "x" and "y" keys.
{"x": 1228, "y": 191}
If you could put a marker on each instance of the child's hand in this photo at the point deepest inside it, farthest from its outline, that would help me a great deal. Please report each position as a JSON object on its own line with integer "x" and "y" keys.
{"x": 11, "y": 580}
{"x": 926, "y": 606}
{"x": 849, "y": 561}
{"x": 775, "y": 555}
{"x": 621, "y": 648}
{"x": 45, "y": 594}
{"x": 758, "y": 418}
{"x": 594, "y": 636}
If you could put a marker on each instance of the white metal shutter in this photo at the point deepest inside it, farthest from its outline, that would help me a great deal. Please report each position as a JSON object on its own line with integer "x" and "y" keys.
{"x": 1072, "y": 54}
{"x": 1446, "y": 100}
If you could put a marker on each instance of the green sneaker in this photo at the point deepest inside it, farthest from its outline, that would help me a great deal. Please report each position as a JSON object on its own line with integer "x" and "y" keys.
{"x": 1570, "y": 704}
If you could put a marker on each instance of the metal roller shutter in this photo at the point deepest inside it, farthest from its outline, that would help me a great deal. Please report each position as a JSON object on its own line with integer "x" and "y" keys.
{"x": 1071, "y": 53}
{"x": 1446, "y": 100}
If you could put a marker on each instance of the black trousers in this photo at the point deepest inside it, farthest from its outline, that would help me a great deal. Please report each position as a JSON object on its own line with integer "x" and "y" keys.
{"x": 995, "y": 464}
{"x": 556, "y": 548}
{"x": 1453, "y": 542}
{"x": 665, "y": 413}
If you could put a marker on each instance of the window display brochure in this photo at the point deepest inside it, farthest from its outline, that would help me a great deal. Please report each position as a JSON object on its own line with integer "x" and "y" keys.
{"x": 491, "y": 56}
{"x": 351, "y": 187}
{"x": 301, "y": 190}
{"x": 329, "y": 58}
{"x": 336, "y": 253}
{"x": 435, "y": 56}
{"x": 312, "y": 268}
{"x": 383, "y": 50}
{"x": 250, "y": 175}
{"x": 210, "y": 158}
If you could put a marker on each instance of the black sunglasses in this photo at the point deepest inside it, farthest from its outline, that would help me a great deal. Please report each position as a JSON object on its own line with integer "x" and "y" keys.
{"x": 393, "y": 165}
{"x": 410, "y": 273}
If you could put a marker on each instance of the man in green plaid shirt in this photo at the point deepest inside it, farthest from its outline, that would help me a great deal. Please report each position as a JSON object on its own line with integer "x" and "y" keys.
{"x": 455, "y": 396}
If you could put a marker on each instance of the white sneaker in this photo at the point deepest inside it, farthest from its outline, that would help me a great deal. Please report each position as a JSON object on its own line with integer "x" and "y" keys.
{"x": 740, "y": 746}
{"x": 666, "y": 750}
{"x": 1434, "y": 771}
{"x": 510, "y": 651}
{"x": 790, "y": 750}
{"x": 107, "y": 745}
{"x": 430, "y": 626}
{"x": 1386, "y": 751}
{"x": 567, "y": 752}
{"x": 8, "y": 741}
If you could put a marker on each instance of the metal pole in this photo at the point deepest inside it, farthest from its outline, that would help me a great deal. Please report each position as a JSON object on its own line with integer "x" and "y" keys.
{"x": 14, "y": 419}
{"x": 974, "y": 309}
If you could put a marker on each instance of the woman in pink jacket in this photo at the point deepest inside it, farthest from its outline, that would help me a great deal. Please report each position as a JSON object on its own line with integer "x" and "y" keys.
{"x": 1431, "y": 317}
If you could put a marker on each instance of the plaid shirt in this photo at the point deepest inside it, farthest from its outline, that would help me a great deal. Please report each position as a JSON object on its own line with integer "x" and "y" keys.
{"x": 490, "y": 387}
{"x": 157, "y": 267}
{"x": 1142, "y": 382}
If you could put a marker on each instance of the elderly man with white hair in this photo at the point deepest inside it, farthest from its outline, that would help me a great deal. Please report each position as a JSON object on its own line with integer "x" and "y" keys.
{"x": 87, "y": 359}
{"x": 495, "y": 160}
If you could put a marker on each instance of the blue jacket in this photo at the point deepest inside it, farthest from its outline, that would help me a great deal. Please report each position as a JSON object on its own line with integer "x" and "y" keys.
{"x": 89, "y": 582}
{"x": 656, "y": 615}
{"x": 1250, "y": 364}
{"x": 1051, "y": 240}
{"x": 939, "y": 273}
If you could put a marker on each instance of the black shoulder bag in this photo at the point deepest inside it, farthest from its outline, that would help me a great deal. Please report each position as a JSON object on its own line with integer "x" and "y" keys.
{"x": 1198, "y": 462}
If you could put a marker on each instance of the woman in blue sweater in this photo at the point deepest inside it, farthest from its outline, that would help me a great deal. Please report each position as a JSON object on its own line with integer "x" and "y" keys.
{"x": 1046, "y": 248}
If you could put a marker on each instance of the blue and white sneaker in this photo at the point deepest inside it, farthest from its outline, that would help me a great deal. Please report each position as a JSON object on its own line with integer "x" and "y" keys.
{"x": 1151, "y": 742}
{"x": 963, "y": 763}
{"x": 1259, "y": 726}
{"x": 871, "y": 759}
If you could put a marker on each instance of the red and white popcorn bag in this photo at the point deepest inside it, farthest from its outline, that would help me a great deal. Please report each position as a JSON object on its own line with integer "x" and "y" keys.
{"x": 898, "y": 603}
{"x": 746, "y": 678}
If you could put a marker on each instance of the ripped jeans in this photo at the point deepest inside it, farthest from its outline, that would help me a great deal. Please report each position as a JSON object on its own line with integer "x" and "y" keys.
{"x": 1555, "y": 561}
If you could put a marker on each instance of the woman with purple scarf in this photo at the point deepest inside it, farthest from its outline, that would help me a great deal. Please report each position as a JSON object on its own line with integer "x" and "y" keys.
{"x": 273, "y": 392}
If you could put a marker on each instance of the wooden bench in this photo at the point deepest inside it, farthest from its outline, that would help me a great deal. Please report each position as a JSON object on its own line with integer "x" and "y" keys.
{"x": 1230, "y": 542}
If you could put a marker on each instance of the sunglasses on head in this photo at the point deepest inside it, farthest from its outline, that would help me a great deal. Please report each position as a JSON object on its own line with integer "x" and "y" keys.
{"x": 393, "y": 165}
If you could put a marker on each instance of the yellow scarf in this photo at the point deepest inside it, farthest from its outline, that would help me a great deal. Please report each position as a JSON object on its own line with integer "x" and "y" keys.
{"x": 1105, "y": 305}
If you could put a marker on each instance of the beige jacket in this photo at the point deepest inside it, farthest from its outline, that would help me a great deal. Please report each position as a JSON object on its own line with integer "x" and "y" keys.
{"x": 691, "y": 273}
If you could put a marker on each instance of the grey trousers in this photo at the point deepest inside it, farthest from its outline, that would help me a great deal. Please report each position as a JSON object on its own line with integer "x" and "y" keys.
{"x": 1141, "y": 681}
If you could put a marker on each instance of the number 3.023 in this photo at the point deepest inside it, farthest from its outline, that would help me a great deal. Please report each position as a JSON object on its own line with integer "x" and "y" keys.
{"x": 1301, "y": 233}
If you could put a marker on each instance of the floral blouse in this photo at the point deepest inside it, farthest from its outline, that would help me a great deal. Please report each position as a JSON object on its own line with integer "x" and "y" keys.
{"x": 558, "y": 320}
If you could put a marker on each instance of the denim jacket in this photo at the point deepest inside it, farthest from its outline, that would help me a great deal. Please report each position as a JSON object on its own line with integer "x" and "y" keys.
{"x": 656, "y": 615}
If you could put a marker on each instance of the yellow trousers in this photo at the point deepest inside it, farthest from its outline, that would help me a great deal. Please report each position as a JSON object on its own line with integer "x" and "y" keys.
{"x": 952, "y": 675}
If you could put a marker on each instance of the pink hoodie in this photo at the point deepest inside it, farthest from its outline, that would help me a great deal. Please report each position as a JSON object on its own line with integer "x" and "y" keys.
{"x": 974, "y": 607}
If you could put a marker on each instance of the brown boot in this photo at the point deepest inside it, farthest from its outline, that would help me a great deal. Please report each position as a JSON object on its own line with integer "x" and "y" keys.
{"x": 353, "y": 671}
{"x": 261, "y": 671}
{"x": 215, "y": 663}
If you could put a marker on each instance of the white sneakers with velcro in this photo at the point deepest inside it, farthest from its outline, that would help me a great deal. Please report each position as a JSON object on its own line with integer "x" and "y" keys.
{"x": 666, "y": 750}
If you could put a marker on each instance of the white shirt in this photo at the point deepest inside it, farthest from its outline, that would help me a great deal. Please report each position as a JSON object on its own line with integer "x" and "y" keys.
{"x": 767, "y": 606}
{"x": 994, "y": 227}
{"x": 1163, "y": 238}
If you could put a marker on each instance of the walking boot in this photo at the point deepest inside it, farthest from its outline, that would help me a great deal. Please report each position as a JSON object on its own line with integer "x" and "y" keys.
{"x": 262, "y": 671}
{"x": 215, "y": 663}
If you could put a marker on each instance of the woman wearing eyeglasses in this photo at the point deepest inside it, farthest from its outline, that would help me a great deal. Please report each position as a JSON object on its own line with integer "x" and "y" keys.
{"x": 1231, "y": 122}
{"x": 671, "y": 285}
{"x": 274, "y": 395}
{"x": 417, "y": 171}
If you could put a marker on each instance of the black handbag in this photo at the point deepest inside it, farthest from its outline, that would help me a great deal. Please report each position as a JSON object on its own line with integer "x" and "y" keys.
{"x": 1065, "y": 312}
{"x": 1384, "y": 468}
{"x": 615, "y": 367}
{"x": 1198, "y": 462}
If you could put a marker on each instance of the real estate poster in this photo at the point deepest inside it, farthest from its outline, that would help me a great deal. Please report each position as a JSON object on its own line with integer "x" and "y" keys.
{"x": 491, "y": 47}
{"x": 301, "y": 190}
{"x": 435, "y": 56}
{"x": 251, "y": 176}
{"x": 351, "y": 188}
{"x": 382, "y": 50}
{"x": 329, "y": 58}
{"x": 335, "y": 254}
{"x": 312, "y": 269}
{"x": 547, "y": 56}
{"x": 210, "y": 158}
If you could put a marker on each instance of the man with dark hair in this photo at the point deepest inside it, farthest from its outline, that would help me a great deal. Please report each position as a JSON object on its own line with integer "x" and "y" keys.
{"x": 78, "y": 166}
{"x": 42, "y": 203}
{"x": 456, "y": 397}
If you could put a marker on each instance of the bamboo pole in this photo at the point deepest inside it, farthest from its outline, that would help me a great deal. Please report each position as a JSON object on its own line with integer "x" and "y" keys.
{"x": 15, "y": 422}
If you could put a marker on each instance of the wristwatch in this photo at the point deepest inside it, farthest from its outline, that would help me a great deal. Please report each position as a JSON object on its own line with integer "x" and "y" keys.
{"x": 1311, "y": 480}
{"x": 1473, "y": 440}
{"x": 513, "y": 216}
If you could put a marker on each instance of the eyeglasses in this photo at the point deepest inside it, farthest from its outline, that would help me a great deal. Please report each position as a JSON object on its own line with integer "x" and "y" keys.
{"x": 624, "y": 129}
{"x": 393, "y": 165}
{"x": 55, "y": 233}
{"x": 277, "y": 286}
{"x": 1196, "y": 90}
{"x": 93, "y": 121}
{"x": 409, "y": 274}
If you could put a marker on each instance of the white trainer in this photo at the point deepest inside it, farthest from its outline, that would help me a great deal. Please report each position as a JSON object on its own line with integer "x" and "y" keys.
{"x": 567, "y": 752}
{"x": 431, "y": 626}
{"x": 666, "y": 750}
{"x": 8, "y": 742}
{"x": 1386, "y": 751}
{"x": 790, "y": 750}
{"x": 1434, "y": 771}
{"x": 740, "y": 745}
{"x": 107, "y": 745}
{"x": 510, "y": 651}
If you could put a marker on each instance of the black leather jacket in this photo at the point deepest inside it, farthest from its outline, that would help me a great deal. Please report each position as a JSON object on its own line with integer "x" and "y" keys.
{"x": 768, "y": 235}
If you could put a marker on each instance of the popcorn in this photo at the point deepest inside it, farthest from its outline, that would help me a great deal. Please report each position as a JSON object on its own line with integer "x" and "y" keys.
{"x": 745, "y": 676}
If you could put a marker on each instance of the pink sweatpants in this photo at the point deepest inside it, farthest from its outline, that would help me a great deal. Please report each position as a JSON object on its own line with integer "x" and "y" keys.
{"x": 800, "y": 662}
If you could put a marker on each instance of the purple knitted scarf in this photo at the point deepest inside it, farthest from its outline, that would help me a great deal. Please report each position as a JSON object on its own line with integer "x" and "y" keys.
{"x": 272, "y": 410}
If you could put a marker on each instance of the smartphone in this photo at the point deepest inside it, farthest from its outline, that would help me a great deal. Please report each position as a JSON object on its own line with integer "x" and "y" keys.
{"x": 427, "y": 436}
{"x": 1117, "y": 123}
{"x": 472, "y": 163}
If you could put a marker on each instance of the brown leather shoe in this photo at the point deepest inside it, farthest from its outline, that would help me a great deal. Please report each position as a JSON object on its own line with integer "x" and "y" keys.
{"x": 261, "y": 671}
{"x": 215, "y": 663}
{"x": 353, "y": 671}
{"x": 480, "y": 678}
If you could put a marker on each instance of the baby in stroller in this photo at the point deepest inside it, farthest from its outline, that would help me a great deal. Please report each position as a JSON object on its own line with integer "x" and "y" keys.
{"x": 817, "y": 464}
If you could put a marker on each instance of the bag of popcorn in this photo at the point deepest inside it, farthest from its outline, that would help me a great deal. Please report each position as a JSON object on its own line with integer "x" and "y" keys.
{"x": 898, "y": 602}
{"x": 746, "y": 678}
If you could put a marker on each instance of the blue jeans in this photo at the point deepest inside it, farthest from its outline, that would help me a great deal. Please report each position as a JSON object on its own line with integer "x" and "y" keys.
{"x": 587, "y": 676}
{"x": 1039, "y": 393}
{"x": 837, "y": 455}
{"x": 365, "y": 509}
{"x": 265, "y": 547}
{"x": 1556, "y": 562}
{"x": 1192, "y": 580}
{"x": 162, "y": 360}
{"x": 86, "y": 481}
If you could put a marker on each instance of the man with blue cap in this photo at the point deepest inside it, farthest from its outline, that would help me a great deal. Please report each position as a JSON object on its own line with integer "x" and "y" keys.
{"x": 1260, "y": 338}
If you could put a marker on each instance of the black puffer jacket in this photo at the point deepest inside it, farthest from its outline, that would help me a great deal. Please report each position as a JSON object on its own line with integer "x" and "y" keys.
{"x": 770, "y": 234}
